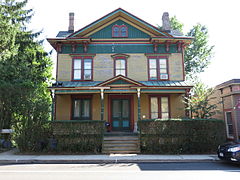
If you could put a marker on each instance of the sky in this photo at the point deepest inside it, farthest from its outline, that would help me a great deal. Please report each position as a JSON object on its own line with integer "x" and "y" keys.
{"x": 221, "y": 17}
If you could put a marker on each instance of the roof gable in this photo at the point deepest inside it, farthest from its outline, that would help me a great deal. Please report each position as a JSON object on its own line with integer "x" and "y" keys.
{"x": 133, "y": 32}
{"x": 120, "y": 81}
{"x": 114, "y": 16}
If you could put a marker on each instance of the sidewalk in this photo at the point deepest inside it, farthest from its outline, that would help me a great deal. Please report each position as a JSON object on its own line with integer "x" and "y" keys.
{"x": 10, "y": 158}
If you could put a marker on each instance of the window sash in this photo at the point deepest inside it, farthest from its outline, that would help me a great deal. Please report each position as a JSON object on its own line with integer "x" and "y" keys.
{"x": 82, "y": 109}
{"x": 120, "y": 67}
{"x": 159, "y": 107}
{"x": 229, "y": 123}
{"x": 82, "y": 69}
{"x": 158, "y": 69}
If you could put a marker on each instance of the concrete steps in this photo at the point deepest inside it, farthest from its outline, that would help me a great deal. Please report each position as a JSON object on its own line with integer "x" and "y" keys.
{"x": 121, "y": 143}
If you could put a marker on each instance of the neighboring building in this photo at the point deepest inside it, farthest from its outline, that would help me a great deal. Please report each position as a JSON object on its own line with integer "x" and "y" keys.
{"x": 120, "y": 69}
{"x": 227, "y": 98}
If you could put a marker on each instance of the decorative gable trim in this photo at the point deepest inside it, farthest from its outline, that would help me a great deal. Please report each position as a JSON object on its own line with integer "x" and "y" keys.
{"x": 113, "y": 15}
{"x": 120, "y": 78}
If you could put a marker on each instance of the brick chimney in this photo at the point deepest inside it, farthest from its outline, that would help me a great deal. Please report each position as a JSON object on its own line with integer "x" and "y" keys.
{"x": 71, "y": 22}
{"x": 166, "y": 26}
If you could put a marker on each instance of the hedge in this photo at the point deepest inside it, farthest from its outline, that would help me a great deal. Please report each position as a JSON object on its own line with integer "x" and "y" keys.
{"x": 78, "y": 135}
{"x": 177, "y": 136}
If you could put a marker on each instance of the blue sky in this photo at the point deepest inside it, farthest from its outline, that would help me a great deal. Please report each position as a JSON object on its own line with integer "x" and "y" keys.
{"x": 220, "y": 16}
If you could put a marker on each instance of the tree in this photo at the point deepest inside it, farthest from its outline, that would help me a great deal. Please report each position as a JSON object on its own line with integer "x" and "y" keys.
{"x": 199, "y": 102}
{"x": 25, "y": 70}
{"x": 198, "y": 54}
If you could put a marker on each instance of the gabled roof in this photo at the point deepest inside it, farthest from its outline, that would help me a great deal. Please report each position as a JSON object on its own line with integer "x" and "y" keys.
{"x": 120, "y": 80}
{"x": 115, "y": 15}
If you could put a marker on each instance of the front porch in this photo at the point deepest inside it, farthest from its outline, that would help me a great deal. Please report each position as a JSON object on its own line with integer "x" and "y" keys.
{"x": 120, "y": 101}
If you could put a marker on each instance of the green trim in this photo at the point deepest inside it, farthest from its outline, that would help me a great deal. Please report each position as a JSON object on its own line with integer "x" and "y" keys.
{"x": 161, "y": 90}
{"x": 111, "y": 14}
{"x": 77, "y": 90}
{"x": 113, "y": 48}
{"x": 76, "y": 121}
{"x": 183, "y": 119}
{"x": 106, "y": 32}
{"x": 120, "y": 90}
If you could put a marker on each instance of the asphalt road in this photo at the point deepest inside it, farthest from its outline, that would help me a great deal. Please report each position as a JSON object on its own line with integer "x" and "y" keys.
{"x": 179, "y": 171}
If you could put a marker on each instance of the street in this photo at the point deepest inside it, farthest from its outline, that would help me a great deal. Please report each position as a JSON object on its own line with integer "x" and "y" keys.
{"x": 121, "y": 171}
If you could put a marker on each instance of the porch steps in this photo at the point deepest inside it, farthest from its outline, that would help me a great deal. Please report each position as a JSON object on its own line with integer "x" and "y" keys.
{"x": 121, "y": 143}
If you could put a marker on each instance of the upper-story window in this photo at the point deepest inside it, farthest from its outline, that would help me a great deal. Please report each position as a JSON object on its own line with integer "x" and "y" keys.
{"x": 120, "y": 67}
{"x": 120, "y": 64}
{"x": 82, "y": 69}
{"x": 158, "y": 68}
{"x": 119, "y": 31}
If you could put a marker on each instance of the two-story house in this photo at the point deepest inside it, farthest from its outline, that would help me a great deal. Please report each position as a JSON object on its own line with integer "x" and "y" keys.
{"x": 227, "y": 97}
{"x": 120, "y": 69}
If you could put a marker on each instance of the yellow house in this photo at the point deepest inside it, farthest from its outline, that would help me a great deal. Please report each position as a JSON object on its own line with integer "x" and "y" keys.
{"x": 119, "y": 69}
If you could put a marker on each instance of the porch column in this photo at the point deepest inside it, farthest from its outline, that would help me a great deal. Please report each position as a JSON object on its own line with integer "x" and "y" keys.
{"x": 139, "y": 103}
{"x": 102, "y": 104}
{"x": 53, "y": 103}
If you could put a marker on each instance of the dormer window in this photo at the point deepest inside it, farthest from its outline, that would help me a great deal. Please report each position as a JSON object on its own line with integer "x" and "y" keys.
{"x": 119, "y": 31}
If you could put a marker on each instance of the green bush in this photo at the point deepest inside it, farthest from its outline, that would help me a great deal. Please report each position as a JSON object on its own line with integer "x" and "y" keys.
{"x": 78, "y": 136}
{"x": 176, "y": 136}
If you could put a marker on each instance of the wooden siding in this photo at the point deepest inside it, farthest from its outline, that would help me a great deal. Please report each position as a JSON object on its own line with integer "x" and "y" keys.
{"x": 64, "y": 67}
{"x": 114, "y": 47}
{"x": 63, "y": 107}
{"x": 175, "y": 67}
{"x": 136, "y": 67}
{"x": 103, "y": 67}
{"x": 177, "y": 106}
{"x": 107, "y": 31}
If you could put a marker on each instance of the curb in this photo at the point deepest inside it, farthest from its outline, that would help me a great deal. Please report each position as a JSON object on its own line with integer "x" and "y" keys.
{"x": 37, "y": 161}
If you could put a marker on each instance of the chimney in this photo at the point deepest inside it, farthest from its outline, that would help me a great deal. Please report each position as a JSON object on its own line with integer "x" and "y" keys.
{"x": 166, "y": 26}
{"x": 71, "y": 22}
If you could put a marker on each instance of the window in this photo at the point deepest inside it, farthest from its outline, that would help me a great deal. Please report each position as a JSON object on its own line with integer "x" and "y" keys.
{"x": 82, "y": 69}
{"x": 158, "y": 68}
{"x": 119, "y": 31}
{"x": 228, "y": 116}
{"x": 159, "y": 107}
{"x": 120, "y": 67}
{"x": 81, "y": 109}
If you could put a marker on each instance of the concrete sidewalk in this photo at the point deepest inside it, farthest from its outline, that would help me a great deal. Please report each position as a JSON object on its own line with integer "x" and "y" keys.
{"x": 11, "y": 158}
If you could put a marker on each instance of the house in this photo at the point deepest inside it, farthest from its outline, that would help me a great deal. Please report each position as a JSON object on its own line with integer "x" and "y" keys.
{"x": 119, "y": 69}
{"x": 228, "y": 94}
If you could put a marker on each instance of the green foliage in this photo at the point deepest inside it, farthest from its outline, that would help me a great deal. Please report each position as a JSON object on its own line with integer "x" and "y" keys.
{"x": 198, "y": 54}
{"x": 78, "y": 136}
{"x": 25, "y": 70}
{"x": 175, "y": 24}
{"x": 199, "y": 102}
{"x": 181, "y": 136}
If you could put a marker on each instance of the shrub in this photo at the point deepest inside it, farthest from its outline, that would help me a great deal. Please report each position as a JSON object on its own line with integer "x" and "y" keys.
{"x": 78, "y": 136}
{"x": 178, "y": 136}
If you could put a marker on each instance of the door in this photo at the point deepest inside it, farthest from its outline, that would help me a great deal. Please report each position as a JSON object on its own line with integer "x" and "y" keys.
{"x": 120, "y": 114}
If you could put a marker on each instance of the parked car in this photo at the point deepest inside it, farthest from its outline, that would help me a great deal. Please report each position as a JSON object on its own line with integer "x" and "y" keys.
{"x": 229, "y": 151}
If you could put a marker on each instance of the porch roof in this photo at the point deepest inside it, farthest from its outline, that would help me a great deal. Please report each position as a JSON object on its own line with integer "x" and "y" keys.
{"x": 88, "y": 84}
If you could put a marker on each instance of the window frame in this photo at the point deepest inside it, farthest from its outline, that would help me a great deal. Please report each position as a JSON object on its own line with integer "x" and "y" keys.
{"x": 120, "y": 58}
{"x": 159, "y": 105}
{"x": 82, "y": 58}
{"x": 158, "y": 78}
{"x": 81, "y": 98}
{"x": 119, "y": 30}
{"x": 227, "y": 124}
